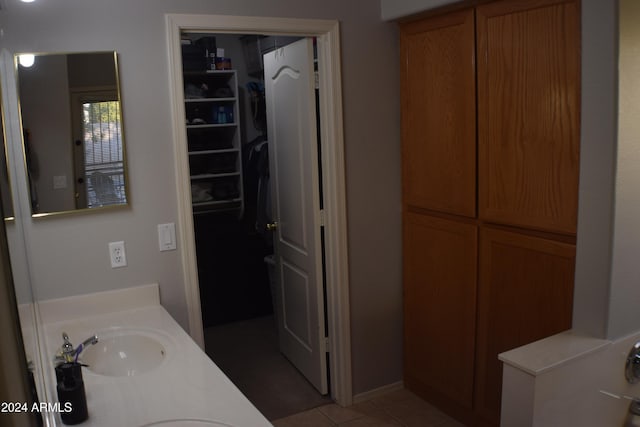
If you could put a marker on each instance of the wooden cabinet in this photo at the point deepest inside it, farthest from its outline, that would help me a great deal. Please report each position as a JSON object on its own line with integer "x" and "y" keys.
{"x": 529, "y": 114}
{"x": 487, "y": 273}
{"x": 440, "y": 267}
{"x": 439, "y": 114}
{"x": 525, "y": 294}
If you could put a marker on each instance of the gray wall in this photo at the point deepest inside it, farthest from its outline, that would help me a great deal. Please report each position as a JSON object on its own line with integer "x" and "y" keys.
{"x": 68, "y": 255}
{"x": 395, "y": 9}
{"x": 625, "y": 292}
{"x": 45, "y": 111}
{"x": 598, "y": 157}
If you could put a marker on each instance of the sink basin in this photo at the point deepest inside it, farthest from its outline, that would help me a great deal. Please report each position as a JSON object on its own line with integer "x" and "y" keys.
{"x": 126, "y": 352}
{"x": 187, "y": 423}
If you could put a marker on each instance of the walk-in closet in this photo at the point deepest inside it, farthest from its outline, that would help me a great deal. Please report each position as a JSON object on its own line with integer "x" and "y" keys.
{"x": 228, "y": 151}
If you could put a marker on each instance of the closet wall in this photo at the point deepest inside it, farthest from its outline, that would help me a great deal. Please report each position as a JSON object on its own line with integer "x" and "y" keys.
{"x": 490, "y": 130}
{"x": 233, "y": 277}
{"x": 231, "y": 247}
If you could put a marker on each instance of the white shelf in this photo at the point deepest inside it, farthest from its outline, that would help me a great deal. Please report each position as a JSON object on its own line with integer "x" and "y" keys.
{"x": 214, "y": 175}
{"x": 198, "y": 100}
{"x": 215, "y": 202}
{"x": 215, "y": 146}
{"x": 216, "y": 151}
{"x": 212, "y": 125}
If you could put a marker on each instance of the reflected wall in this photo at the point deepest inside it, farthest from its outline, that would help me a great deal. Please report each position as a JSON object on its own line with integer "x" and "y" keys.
{"x": 5, "y": 188}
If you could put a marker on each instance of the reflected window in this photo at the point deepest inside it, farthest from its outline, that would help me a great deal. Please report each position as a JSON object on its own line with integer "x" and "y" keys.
{"x": 99, "y": 153}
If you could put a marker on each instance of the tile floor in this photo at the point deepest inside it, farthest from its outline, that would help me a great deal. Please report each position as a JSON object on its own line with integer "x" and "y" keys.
{"x": 247, "y": 352}
{"x": 397, "y": 408}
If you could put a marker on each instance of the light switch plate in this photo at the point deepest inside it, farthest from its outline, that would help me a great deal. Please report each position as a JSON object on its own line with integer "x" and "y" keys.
{"x": 59, "y": 182}
{"x": 167, "y": 237}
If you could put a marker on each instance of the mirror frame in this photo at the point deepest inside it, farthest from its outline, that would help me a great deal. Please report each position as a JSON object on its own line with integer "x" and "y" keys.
{"x": 126, "y": 185}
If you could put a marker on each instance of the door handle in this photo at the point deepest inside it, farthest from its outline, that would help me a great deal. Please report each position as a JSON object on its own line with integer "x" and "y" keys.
{"x": 271, "y": 226}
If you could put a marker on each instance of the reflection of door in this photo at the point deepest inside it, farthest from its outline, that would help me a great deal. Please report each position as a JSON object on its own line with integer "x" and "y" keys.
{"x": 293, "y": 156}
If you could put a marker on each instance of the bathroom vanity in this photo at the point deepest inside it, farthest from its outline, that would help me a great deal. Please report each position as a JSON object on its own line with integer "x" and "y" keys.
{"x": 144, "y": 370}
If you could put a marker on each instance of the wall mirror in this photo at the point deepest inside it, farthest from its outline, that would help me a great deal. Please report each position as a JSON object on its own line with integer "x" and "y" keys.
{"x": 5, "y": 188}
{"x": 72, "y": 131}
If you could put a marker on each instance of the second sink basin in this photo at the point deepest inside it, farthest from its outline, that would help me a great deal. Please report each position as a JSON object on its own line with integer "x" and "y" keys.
{"x": 126, "y": 352}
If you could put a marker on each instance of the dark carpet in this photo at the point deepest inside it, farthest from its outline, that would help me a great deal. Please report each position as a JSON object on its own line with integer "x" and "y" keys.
{"x": 247, "y": 352}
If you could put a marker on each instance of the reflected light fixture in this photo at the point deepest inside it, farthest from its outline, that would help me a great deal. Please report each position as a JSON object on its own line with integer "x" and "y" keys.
{"x": 26, "y": 59}
{"x": 27, "y": 1}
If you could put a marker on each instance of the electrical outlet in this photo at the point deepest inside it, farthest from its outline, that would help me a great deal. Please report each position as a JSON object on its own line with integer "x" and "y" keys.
{"x": 117, "y": 254}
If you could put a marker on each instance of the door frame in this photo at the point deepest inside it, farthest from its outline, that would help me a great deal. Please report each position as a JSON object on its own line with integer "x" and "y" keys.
{"x": 333, "y": 174}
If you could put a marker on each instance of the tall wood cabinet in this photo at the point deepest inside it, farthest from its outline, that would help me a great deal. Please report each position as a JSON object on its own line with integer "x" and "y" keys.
{"x": 528, "y": 107}
{"x": 439, "y": 114}
{"x": 490, "y": 140}
{"x": 440, "y": 263}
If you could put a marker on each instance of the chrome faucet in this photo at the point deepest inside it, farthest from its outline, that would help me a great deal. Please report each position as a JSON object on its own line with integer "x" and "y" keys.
{"x": 68, "y": 354}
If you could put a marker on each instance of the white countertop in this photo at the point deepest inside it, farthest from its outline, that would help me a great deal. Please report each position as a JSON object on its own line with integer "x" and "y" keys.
{"x": 549, "y": 353}
{"x": 187, "y": 384}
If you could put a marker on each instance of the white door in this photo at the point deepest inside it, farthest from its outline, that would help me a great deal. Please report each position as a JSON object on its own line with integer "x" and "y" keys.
{"x": 293, "y": 162}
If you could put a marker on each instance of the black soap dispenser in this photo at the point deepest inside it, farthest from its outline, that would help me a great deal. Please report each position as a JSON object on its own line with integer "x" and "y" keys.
{"x": 71, "y": 395}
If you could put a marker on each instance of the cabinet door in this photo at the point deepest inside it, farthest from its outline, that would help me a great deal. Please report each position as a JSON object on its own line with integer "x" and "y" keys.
{"x": 439, "y": 113}
{"x": 528, "y": 113}
{"x": 440, "y": 306}
{"x": 525, "y": 294}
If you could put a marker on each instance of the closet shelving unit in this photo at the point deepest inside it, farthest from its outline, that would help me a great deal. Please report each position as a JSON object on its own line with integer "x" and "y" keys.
{"x": 213, "y": 137}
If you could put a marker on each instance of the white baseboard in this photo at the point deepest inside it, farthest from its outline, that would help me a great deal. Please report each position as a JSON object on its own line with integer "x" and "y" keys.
{"x": 377, "y": 392}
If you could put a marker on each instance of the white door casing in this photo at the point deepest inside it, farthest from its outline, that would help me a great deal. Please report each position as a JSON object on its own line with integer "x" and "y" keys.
{"x": 333, "y": 177}
{"x": 293, "y": 165}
